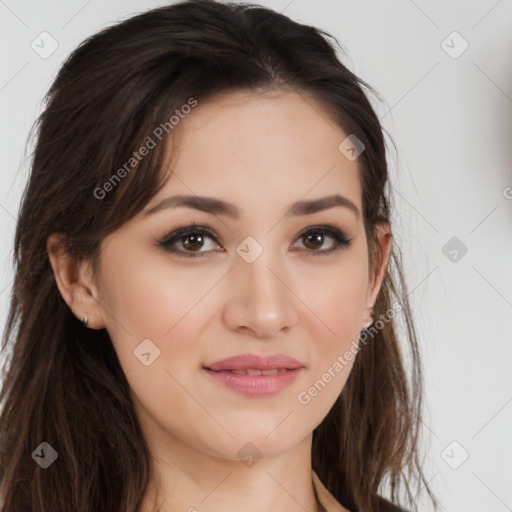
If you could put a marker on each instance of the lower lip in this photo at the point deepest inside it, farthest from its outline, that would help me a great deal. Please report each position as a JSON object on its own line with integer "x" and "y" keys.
{"x": 255, "y": 385}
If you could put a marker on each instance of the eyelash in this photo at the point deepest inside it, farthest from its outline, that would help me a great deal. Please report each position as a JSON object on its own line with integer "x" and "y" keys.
{"x": 167, "y": 240}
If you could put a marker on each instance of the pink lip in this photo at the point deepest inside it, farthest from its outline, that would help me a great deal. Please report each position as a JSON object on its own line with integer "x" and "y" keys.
{"x": 254, "y": 361}
{"x": 255, "y": 385}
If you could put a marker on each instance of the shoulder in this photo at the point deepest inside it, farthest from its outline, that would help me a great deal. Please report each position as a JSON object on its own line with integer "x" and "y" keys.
{"x": 329, "y": 502}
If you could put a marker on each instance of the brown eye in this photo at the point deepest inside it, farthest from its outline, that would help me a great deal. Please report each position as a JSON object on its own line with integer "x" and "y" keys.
{"x": 192, "y": 242}
{"x": 314, "y": 241}
{"x": 189, "y": 241}
{"x": 315, "y": 237}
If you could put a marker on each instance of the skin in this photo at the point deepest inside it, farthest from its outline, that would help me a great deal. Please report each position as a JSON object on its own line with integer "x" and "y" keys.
{"x": 261, "y": 152}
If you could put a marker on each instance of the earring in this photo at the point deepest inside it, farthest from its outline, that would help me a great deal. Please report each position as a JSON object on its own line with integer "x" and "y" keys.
{"x": 370, "y": 322}
{"x": 85, "y": 321}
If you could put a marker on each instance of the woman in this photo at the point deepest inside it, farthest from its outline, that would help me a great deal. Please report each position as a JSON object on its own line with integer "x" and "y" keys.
{"x": 202, "y": 243}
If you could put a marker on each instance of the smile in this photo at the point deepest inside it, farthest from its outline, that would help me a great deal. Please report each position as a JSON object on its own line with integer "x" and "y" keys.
{"x": 254, "y": 382}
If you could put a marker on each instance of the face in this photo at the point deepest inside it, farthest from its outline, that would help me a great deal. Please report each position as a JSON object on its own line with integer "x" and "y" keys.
{"x": 255, "y": 277}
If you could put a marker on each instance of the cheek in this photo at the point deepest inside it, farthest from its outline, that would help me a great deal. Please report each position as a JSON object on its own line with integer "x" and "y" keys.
{"x": 335, "y": 295}
{"x": 336, "y": 302}
{"x": 338, "y": 306}
{"x": 159, "y": 302}
{"x": 168, "y": 306}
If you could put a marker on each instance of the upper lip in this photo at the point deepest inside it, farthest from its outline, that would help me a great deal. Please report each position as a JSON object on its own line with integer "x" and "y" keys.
{"x": 256, "y": 362}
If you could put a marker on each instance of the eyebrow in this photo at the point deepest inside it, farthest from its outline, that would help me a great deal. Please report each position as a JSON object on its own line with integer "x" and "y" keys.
{"x": 219, "y": 207}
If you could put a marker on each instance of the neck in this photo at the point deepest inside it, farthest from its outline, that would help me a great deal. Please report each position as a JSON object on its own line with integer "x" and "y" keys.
{"x": 193, "y": 481}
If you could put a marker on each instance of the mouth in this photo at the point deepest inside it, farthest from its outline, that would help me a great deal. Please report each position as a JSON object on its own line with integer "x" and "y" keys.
{"x": 252, "y": 371}
{"x": 255, "y": 375}
{"x": 253, "y": 382}
{"x": 255, "y": 363}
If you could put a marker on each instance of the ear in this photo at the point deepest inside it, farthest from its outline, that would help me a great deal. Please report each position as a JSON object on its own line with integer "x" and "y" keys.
{"x": 75, "y": 282}
{"x": 385, "y": 238}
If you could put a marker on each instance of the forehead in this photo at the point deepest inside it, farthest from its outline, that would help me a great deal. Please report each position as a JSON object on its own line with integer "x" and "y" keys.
{"x": 272, "y": 146}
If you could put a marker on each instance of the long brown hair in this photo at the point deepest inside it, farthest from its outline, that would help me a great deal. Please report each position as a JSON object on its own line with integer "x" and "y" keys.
{"x": 63, "y": 383}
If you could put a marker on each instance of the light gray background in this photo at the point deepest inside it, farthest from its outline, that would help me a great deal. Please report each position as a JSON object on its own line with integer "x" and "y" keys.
{"x": 451, "y": 119}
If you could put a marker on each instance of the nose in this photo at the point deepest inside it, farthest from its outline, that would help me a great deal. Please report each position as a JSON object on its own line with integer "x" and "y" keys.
{"x": 260, "y": 302}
